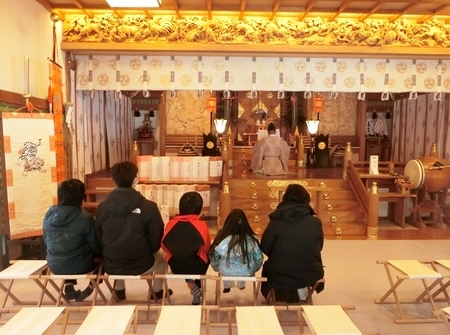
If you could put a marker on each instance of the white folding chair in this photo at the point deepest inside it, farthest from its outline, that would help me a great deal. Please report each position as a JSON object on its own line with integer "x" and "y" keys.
{"x": 111, "y": 320}
{"x": 24, "y": 270}
{"x": 179, "y": 320}
{"x": 256, "y": 284}
{"x": 409, "y": 270}
{"x": 32, "y": 321}
{"x": 257, "y": 320}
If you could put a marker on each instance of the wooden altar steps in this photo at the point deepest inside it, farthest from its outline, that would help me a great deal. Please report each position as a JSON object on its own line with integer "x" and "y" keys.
{"x": 338, "y": 209}
{"x": 340, "y": 213}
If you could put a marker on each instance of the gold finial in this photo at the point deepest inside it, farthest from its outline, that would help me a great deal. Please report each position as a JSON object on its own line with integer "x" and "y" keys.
{"x": 348, "y": 147}
{"x": 374, "y": 188}
{"x": 434, "y": 151}
{"x": 296, "y": 133}
{"x": 226, "y": 187}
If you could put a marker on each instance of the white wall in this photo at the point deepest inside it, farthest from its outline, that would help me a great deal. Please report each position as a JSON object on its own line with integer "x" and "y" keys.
{"x": 26, "y": 29}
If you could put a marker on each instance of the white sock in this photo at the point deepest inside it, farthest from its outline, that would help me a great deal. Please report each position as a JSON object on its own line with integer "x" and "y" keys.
{"x": 302, "y": 293}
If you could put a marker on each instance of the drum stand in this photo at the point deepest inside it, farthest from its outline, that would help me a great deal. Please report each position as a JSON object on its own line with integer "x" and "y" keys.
{"x": 431, "y": 205}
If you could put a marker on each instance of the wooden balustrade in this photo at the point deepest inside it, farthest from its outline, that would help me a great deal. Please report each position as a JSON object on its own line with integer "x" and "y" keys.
{"x": 357, "y": 186}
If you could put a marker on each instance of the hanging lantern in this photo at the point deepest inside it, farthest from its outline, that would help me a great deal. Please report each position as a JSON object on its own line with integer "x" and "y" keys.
{"x": 318, "y": 105}
{"x": 211, "y": 104}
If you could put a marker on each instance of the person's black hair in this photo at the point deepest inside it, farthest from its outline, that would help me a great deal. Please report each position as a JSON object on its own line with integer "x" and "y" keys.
{"x": 236, "y": 225}
{"x": 271, "y": 127}
{"x": 123, "y": 173}
{"x": 191, "y": 203}
{"x": 296, "y": 192}
{"x": 71, "y": 193}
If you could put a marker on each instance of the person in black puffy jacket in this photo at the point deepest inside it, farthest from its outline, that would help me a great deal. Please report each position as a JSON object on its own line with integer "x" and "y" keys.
{"x": 293, "y": 242}
{"x": 69, "y": 235}
{"x": 129, "y": 228}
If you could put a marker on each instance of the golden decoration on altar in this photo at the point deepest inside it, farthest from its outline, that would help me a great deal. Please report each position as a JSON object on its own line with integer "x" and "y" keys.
{"x": 276, "y": 184}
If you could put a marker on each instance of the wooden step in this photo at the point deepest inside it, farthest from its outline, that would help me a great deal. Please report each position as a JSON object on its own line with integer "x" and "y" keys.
{"x": 343, "y": 216}
{"x": 344, "y": 228}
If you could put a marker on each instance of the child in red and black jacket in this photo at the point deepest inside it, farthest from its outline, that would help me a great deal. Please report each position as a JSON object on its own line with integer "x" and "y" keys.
{"x": 186, "y": 242}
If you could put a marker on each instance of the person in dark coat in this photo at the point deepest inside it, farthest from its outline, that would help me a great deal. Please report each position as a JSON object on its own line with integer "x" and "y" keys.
{"x": 129, "y": 228}
{"x": 69, "y": 235}
{"x": 292, "y": 241}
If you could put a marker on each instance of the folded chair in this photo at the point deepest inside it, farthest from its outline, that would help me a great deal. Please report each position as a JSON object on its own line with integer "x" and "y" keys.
{"x": 271, "y": 297}
{"x": 32, "y": 321}
{"x": 179, "y": 320}
{"x": 23, "y": 269}
{"x": 165, "y": 277}
{"x": 91, "y": 277}
{"x": 111, "y": 320}
{"x": 257, "y": 320}
{"x": 444, "y": 315}
{"x": 443, "y": 267}
{"x": 256, "y": 283}
{"x": 410, "y": 270}
{"x": 112, "y": 287}
{"x": 329, "y": 319}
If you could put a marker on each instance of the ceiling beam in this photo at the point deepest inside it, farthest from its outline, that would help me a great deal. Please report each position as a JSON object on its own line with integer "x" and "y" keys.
{"x": 85, "y": 11}
{"x": 242, "y": 9}
{"x": 404, "y": 11}
{"x": 209, "y": 8}
{"x": 176, "y": 8}
{"x": 47, "y": 5}
{"x": 435, "y": 12}
{"x": 308, "y": 8}
{"x": 372, "y": 10}
{"x": 148, "y": 14}
{"x": 276, "y": 5}
{"x": 339, "y": 10}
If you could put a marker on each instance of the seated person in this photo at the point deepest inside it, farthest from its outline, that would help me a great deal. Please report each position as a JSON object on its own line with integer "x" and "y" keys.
{"x": 271, "y": 154}
{"x": 69, "y": 234}
{"x": 129, "y": 228}
{"x": 186, "y": 242}
{"x": 292, "y": 242}
{"x": 235, "y": 250}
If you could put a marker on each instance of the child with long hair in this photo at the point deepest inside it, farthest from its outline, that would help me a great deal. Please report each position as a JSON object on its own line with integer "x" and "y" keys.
{"x": 235, "y": 250}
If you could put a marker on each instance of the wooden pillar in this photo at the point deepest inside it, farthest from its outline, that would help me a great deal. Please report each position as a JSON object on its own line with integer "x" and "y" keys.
{"x": 372, "y": 218}
{"x": 300, "y": 152}
{"x": 225, "y": 197}
{"x": 294, "y": 111}
{"x": 230, "y": 147}
{"x": 348, "y": 155}
{"x": 361, "y": 119}
{"x": 225, "y": 204}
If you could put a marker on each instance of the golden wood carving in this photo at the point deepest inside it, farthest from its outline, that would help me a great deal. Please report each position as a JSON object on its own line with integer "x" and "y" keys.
{"x": 311, "y": 31}
{"x": 277, "y": 184}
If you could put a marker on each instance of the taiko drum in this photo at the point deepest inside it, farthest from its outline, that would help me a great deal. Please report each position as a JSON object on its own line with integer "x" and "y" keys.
{"x": 431, "y": 173}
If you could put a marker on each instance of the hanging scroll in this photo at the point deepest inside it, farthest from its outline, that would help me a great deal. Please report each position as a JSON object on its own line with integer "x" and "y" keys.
{"x": 30, "y": 170}
{"x": 55, "y": 97}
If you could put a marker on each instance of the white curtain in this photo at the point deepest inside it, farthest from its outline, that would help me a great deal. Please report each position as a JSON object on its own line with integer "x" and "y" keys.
{"x": 102, "y": 131}
{"x": 417, "y": 125}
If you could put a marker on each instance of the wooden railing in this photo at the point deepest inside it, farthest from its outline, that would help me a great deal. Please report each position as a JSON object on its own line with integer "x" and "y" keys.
{"x": 383, "y": 167}
{"x": 357, "y": 186}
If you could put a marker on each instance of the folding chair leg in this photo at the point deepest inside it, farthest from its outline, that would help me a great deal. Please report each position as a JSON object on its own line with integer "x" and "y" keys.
{"x": 8, "y": 293}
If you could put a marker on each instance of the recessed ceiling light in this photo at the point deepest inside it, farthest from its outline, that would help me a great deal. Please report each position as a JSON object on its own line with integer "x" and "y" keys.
{"x": 134, "y": 3}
